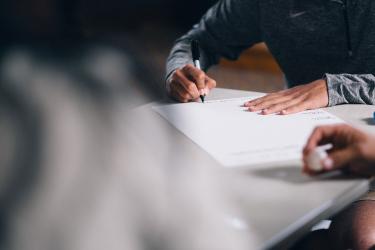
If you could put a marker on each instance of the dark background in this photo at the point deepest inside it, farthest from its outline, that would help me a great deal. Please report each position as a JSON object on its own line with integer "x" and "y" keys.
{"x": 145, "y": 28}
{"x": 48, "y": 19}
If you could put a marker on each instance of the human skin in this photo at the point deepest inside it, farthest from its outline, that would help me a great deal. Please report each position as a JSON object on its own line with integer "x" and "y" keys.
{"x": 188, "y": 83}
{"x": 353, "y": 150}
{"x": 308, "y": 96}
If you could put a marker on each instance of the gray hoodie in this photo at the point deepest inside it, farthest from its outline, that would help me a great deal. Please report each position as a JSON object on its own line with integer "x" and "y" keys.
{"x": 310, "y": 39}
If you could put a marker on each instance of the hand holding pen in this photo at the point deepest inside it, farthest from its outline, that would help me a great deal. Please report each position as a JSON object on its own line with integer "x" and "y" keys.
{"x": 195, "y": 52}
{"x": 190, "y": 83}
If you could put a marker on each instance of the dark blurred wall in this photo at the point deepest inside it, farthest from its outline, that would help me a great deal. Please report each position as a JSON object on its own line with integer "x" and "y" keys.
{"x": 24, "y": 20}
{"x": 56, "y": 19}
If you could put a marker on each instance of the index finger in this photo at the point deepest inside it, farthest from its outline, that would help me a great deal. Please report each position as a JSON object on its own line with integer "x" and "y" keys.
{"x": 188, "y": 85}
{"x": 320, "y": 135}
{"x": 196, "y": 75}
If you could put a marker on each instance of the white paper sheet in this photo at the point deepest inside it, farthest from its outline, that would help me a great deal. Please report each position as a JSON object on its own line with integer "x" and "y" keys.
{"x": 237, "y": 137}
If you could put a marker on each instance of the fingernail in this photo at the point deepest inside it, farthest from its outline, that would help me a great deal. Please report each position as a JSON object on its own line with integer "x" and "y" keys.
{"x": 201, "y": 92}
{"x": 283, "y": 112}
{"x": 206, "y": 91}
{"x": 264, "y": 111}
{"x": 328, "y": 163}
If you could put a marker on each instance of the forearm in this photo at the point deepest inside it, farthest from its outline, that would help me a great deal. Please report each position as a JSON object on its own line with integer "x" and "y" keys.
{"x": 180, "y": 54}
{"x": 227, "y": 28}
{"x": 351, "y": 88}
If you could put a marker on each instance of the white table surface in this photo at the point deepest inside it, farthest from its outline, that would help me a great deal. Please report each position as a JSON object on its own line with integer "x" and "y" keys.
{"x": 280, "y": 203}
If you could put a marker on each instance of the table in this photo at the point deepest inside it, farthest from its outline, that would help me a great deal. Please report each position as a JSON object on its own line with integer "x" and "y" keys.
{"x": 281, "y": 204}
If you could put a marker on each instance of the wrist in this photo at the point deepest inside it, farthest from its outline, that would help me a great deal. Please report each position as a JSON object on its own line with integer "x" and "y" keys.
{"x": 322, "y": 88}
{"x": 168, "y": 80}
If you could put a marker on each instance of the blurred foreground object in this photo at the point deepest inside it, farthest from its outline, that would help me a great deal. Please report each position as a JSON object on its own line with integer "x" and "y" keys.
{"x": 77, "y": 168}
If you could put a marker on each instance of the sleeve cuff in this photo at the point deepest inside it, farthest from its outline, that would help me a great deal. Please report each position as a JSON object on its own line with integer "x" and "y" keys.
{"x": 334, "y": 87}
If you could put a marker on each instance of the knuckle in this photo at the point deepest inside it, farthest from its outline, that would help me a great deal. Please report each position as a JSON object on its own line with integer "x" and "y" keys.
{"x": 201, "y": 75}
{"x": 186, "y": 67}
{"x": 213, "y": 83}
{"x": 186, "y": 96}
{"x": 190, "y": 68}
{"x": 291, "y": 110}
{"x": 191, "y": 87}
{"x": 276, "y": 108}
{"x": 177, "y": 75}
{"x": 268, "y": 103}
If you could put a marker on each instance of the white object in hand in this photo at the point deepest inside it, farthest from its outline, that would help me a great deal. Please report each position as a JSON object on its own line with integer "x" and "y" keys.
{"x": 317, "y": 156}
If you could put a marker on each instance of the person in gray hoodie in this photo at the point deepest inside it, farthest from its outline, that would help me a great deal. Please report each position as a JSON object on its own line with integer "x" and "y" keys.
{"x": 326, "y": 49}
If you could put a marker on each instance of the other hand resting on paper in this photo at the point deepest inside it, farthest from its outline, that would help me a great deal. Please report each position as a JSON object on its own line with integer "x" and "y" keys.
{"x": 352, "y": 149}
{"x": 187, "y": 83}
{"x": 309, "y": 96}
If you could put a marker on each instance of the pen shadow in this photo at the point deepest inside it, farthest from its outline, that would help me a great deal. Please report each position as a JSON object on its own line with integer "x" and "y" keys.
{"x": 369, "y": 121}
{"x": 293, "y": 174}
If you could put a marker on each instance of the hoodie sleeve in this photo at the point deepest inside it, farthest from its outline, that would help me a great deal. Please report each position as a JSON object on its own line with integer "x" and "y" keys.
{"x": 349, "y": 88}
{"x": 227, "y": 28}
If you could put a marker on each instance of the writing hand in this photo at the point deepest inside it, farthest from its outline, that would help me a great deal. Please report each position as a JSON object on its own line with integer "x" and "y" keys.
{"x": 188, "y": 83}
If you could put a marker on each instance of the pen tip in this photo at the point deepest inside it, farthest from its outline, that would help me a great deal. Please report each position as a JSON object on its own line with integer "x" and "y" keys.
{"x": 202, "y": 98}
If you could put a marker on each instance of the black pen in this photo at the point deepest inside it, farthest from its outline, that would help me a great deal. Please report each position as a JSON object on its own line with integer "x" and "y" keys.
{"x": 196, "y": 55}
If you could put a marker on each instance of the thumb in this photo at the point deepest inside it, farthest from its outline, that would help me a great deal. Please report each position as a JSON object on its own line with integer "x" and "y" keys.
{"x": 210, "y": 83}
{"x": 339, "y": 159}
